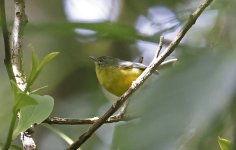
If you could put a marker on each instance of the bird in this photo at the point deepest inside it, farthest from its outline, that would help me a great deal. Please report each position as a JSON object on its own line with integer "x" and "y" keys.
{"x": 116, "y": 75}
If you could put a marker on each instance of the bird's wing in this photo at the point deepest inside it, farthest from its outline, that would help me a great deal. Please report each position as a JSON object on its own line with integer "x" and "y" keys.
{"x": 128, "y": 64}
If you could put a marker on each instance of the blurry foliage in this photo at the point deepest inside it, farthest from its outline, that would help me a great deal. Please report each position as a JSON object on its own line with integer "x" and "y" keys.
{"x": 186, "y": 107}
{"x": 180, "y": 106}
{"x": 224, "y": 143}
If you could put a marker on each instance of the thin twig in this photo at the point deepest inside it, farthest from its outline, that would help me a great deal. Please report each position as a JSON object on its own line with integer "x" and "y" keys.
{"x": 167, "y": 63}
{"x": 123, "y": 109}
{"x": 159, "y": 46}
{"x": 139, "y": 81}
{"x": 72, "y": 121}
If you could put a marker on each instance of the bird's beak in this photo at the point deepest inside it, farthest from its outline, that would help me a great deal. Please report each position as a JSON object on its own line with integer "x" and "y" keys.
{"x": 93, "y": 58}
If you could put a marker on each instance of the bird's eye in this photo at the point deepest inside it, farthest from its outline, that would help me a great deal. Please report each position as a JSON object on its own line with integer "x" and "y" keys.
{"x": 100, "y": 62}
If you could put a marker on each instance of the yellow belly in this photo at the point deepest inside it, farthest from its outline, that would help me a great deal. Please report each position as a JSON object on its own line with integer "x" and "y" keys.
{"x": 117, "y": 80}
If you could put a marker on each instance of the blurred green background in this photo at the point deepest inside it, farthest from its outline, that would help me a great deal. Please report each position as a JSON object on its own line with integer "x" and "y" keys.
{"x": 186, "y": 107}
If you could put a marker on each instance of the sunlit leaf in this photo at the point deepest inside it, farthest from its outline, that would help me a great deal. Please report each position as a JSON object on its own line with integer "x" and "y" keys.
{"x": 23, "y": 100}
{"x": 38, "y": 89}
{"x": 35, "y": 63}
{"x": 37, "y": 67}
{"x": 62, "y": 135}
{"x": 224, "y": 143}
{"x": 46, "y": 59}
{"x": 34, "y": 113}
{"x": 14, "y": 87}
{"x": 12, "y": 147}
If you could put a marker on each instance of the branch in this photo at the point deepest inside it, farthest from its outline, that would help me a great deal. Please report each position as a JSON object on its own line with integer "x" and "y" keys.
{"x": 20, "y": 21}
{"x": 124, "y": 108}
{"x": 27, "y": 139}
{"x": 139, "y": 81}
{"x": 16, "y": 43}
{"x": 71, "y": 121}
{"x": 13, "y": 57}
{"x": 159, "y": 47}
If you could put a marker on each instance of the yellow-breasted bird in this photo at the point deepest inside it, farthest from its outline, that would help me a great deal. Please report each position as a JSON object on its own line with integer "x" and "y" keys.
{"x": 116, "y": 75}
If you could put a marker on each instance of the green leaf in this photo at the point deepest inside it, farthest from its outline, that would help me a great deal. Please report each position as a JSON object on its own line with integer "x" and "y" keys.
{"x": 20, "y": 98}
{"x": 224, "y": 143}
{"x": 34, "y": 113}
{"x": 38, "y": 89}
{"x": 37, "y": 68}
{"x": 12, "y": 147}
{"x": 66, "y": 138}
{"x": 23, "y": 100}
{"x": 35, "y": 60}
{"x": 14, "y": 87}
{"x": 35, "y": 63}
{"x": 46, "y": 59}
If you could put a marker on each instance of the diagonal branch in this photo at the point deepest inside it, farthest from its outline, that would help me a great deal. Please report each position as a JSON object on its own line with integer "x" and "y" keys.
{"x": 139, "y": 81}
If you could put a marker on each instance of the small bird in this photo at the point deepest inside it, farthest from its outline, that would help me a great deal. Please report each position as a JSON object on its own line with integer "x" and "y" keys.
{"x": 116, "y": 75}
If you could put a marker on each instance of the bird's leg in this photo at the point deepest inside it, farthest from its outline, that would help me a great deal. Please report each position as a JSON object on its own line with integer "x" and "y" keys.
{"x": 140, "y": 60}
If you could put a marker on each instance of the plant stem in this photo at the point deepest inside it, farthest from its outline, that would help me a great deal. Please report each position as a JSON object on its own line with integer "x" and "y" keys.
{"x": 5, "y": 32}
{"x": 10, "y": 132}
